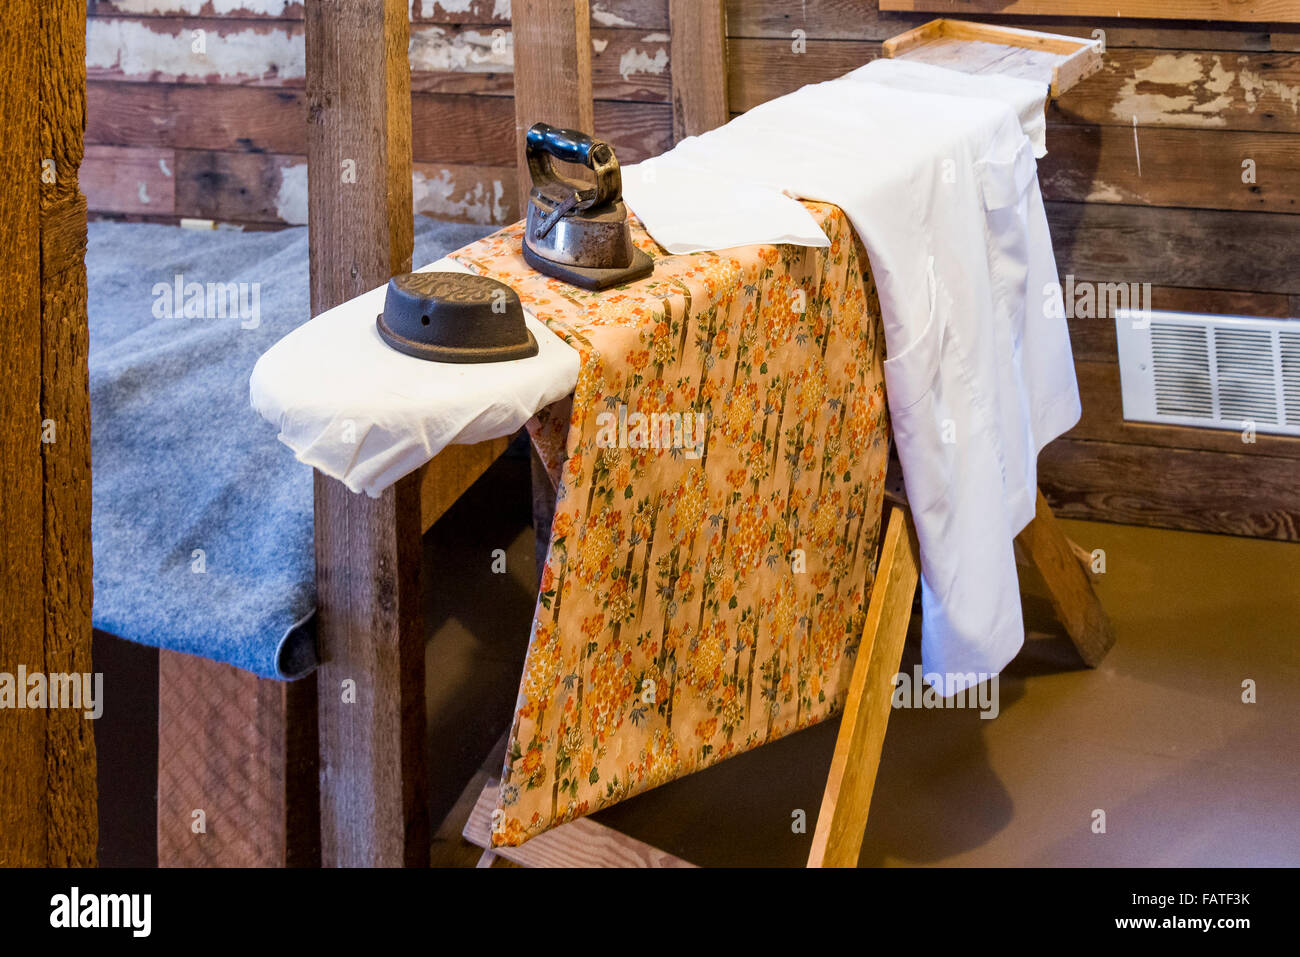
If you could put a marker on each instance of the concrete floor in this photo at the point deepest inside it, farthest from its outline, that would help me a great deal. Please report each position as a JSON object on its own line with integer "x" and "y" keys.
{"x": 1158, "y": 737}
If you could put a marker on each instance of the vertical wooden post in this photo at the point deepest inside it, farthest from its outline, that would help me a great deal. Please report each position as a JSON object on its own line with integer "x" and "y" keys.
{"x": 47, "y": 792}
{"x": 373, "y": 799}
{"x": 552, "y": 71}
{"x": 699, "y": 66}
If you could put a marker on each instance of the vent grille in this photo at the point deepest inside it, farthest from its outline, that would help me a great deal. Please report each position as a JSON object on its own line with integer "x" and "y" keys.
{"x": 1226, "y": 372}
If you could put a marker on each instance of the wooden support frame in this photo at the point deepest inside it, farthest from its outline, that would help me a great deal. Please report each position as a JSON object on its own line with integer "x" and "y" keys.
{"x": 47, "y": 793}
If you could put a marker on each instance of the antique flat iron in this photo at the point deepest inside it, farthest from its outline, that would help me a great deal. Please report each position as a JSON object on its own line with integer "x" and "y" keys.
{"x": 454, "y": 317}
{"x": 575, "y": 232}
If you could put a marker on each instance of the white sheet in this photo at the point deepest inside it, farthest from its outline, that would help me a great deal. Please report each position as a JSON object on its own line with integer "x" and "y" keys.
{"x": 347, "y": 404}
{"x": 943, "y": 191}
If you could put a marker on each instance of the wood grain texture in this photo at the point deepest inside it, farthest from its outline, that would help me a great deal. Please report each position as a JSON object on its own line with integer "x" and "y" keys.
{"x": 72, "y": 828}
{"x": 24, "y": 796}
{"x": 699, "y": 66}
{"x": 47, "y": 793}
{"x": 225, "y": 748}
{"x": 371, "y": 684}
{"x": 1246, "y": 10}
{"x": 759, "y": 70}
{"x": 1192, "y": 169}
{"x": 1251, "y": 495}
{"x": 842, "y": 820}
{"x": 1249, "y": 252}
{"x": 552, "y": 73}
{"x": 1188, "y": 89}
{"x": 1069, "y": 589}
{"x": 579, "y": 843}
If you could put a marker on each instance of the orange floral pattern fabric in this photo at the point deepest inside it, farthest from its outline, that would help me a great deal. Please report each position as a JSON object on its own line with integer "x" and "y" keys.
{"x": 707, "y": 579}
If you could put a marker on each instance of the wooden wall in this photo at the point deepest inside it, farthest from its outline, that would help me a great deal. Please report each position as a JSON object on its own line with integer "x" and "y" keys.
{"x": 221, "y": 136}
{"x": 1203, "y": 97}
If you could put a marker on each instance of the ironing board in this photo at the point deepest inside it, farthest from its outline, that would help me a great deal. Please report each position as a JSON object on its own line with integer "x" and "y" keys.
{"x": 372, "y": 765}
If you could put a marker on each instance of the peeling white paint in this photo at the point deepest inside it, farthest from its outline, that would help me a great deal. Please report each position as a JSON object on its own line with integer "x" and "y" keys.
{"x": 436, "y": 195}
{"x": 271, "y": 8}
{"x": 656, "y": 38}
{"x": 635, "y": 61}
{"x": 136, "y": 49}
{"x": 599, "y": 45}
{"x": 162, "y": 165}
{"x": 1253, "y": 84}
{"x": 1179, "y": 72}
{"x": 607, "y": 19}
{"x": 144, "y": 193}
{"x": 1101, "y": 192}
{"x": 439, "y": 196}
{"x": 428, "y": 8}
{"x": 469, "y": 51}
{"x": 291, "y": 199}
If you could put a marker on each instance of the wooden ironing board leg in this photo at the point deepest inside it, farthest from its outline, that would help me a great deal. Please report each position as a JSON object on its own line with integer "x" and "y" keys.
{"x": 842, "y": 821}
{"x": 1073, "y": 599}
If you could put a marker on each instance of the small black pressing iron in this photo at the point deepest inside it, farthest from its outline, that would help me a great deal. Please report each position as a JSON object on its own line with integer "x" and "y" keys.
{"x": 575, "y": 232}
{"x": 454, "y": 317}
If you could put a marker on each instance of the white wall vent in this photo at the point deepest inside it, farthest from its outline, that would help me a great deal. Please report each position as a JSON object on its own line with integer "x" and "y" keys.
{"x": 1219, "y": 372}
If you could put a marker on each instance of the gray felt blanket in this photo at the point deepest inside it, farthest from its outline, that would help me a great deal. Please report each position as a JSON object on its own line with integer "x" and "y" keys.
{"x": 202, "y": 520}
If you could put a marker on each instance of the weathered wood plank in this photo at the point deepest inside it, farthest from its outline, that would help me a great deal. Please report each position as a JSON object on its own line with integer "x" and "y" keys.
{"x": 1188, "y": 89}
{"x": 1250, "y": 252}
{"x": 129, "y": 179}
{"x": 371, "y": 683}
{"x": 1199, "y": 169}
{"x": 1241, "y": 10}
{"x": 1251, "y": 495}
{"x": 699, "y": 66}
{"x": 71, "y": 824}
{"x": 579, "y": 843}
{"x": 552, "y": 72}
{"x": 761, "y": 70}
{"x": 446, "y": 129}
{"x": 842, "y": 820}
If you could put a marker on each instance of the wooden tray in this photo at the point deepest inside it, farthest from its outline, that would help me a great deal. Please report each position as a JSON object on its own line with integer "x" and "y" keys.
{"x": 1059, "y": 61}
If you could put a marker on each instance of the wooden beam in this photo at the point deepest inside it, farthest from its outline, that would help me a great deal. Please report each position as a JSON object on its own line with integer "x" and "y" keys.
{"x": 552, "y": 72}
{"x": 226, "y": 749}
{"x": 370, "y": 630}
{"x": 842, "y": 821}
{"x": 1069, "y": 588}
{"x": 699, "y": 65}
{"x": 47, "y": 793}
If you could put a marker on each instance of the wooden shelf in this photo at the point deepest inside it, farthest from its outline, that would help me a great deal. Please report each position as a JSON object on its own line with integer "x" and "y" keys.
{"x": 1056, "y": 60}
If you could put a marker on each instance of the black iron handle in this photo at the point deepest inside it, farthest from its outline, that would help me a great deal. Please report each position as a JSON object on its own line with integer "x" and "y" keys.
{"x": 544, "y": 141}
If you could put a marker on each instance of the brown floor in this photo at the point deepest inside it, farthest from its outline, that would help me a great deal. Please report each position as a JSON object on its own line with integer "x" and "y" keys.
{"x": 1158, "y": 737}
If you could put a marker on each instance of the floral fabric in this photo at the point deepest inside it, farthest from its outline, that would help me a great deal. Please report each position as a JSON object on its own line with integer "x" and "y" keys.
{"x": 708, "y": 573}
